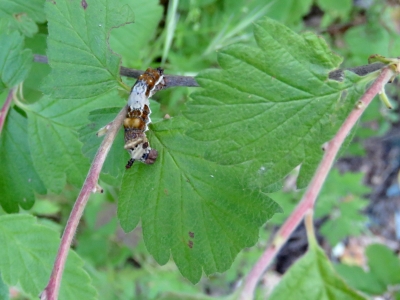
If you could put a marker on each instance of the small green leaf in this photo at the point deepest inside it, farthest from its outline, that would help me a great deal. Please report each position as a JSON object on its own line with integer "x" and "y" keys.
{"x": 15, "y": 62}
{"x": 384, "y": 271}
{"x": 313, "y": 277}
{"x": 18, "y": 178}
{"x": 384, "y": 264}
{"x": 18, "y": 15}
{"x": 130, "y": 40}
{"x": 28, "y": 246}
{"x": 358, "y": 279}
{"x": 45, "y": 207}
{"x": 289, "y": 12}
{"x": 196, "y": 210}
{"x": 272, "y": 106}
{"x": 358, "y": 40}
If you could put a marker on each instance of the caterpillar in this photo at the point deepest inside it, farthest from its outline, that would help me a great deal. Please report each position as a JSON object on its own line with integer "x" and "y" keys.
{"x": 138, "y": 116}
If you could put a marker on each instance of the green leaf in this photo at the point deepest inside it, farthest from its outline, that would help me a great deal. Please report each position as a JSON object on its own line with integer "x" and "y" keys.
{"x": 313, "y": 277}
{"x": 18, "y": 15}
{"x": 196, "y": 210}
{"x": 358, "y": 40}
{"x": 18, "y": 178}
{"x": 55, "y": 151}
{"x": 384, "y": 264}
{"x": 82, "y": 63}
{"x": 45, "y": 208}
{"x": 358, "y": 279}
{"x": 384, "y": 271}
{"x": 131, "y": 40}
{"x": 15, "y": 62}
{"x": 272, "y": 106}
{"x": 29, "y": 246}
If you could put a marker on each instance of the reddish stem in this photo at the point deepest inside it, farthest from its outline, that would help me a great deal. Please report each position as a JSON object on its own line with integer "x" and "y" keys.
{"x": 90, "y": 185}
{"x": 5, "y": 108}
{"x": 308, "y": 200}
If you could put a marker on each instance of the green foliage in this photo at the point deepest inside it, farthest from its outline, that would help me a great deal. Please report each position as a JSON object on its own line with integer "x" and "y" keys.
{"x": 313, "y": 277}
{"x": 341, "y": 200}
{"x": 17, "y": 15}
{"x": 383, "y": 275}
{"x": 379, "y": 28}
{"x": 27, "y": 256}
{"x": 267, "y": 110}
{"x": 187, "y": 181}
{"x": 115, "y": 277}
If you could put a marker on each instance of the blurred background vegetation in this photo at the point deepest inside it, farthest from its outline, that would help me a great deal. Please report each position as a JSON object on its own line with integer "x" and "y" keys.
{"x": 360, "y": 203}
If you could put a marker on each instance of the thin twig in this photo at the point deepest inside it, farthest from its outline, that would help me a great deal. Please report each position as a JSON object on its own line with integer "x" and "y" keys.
{"x": 189, "y": 81}
{"x": 5, "y": 108}
{"x": 314, "y": 187}
{"x": 90, "y": 186}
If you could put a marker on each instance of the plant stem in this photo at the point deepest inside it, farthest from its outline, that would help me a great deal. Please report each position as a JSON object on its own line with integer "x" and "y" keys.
{"x": 5, "y": 108}
{"x": 90, "y": 186}
{"x": 308, "y": 200}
